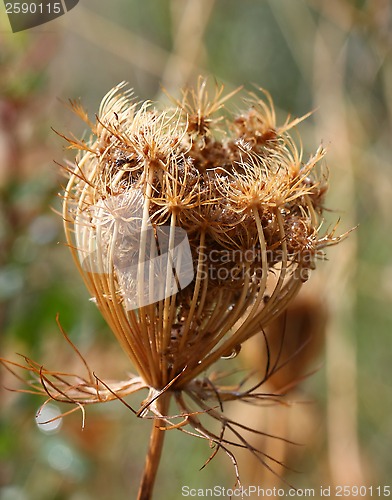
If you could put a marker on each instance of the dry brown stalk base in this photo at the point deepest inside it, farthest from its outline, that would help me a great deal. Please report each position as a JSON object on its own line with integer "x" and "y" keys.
{"x": 154, "y": 451}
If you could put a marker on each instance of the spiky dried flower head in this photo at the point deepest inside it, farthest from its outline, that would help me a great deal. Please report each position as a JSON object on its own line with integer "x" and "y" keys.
{"x": 193, "y": 228}
{"x": 243, "y": 203}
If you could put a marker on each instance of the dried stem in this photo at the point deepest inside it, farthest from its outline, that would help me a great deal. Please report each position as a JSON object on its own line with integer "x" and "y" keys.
{"x": 154, "y": 450}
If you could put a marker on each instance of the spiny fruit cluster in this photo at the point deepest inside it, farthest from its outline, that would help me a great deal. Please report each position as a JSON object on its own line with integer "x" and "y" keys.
{"x": 236, "y": 185}
{"x": 193, "y": 229}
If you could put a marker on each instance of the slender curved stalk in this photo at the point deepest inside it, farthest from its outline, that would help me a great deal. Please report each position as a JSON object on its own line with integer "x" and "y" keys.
{"x": 154, "y": 450}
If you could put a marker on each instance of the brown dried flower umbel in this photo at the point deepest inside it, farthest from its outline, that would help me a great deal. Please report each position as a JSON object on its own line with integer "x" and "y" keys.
{"x": 193, "y": 229}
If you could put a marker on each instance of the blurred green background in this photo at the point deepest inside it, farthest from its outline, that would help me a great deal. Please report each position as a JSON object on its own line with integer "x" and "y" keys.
{"x": 330, "y": 56}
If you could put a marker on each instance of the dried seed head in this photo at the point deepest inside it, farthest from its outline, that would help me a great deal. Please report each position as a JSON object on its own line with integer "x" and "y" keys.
{"x": 193, "y": 229}
{"x": 179, "y": 229}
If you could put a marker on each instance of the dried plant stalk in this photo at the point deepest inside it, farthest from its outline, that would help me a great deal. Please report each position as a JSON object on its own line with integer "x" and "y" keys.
{"x": 193, "y": 229}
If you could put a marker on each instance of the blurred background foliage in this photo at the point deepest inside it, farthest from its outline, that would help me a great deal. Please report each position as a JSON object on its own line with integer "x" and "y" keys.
{"x": 330, "y": 56}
